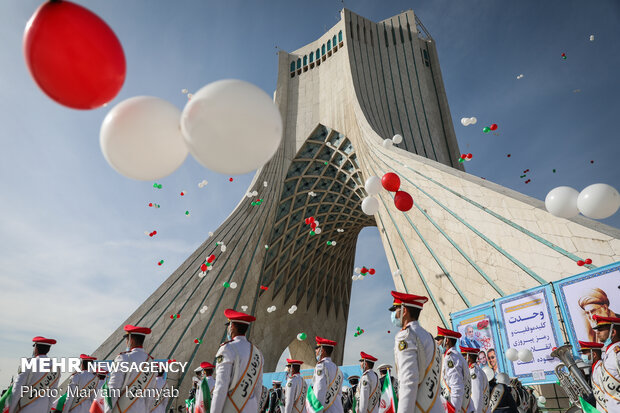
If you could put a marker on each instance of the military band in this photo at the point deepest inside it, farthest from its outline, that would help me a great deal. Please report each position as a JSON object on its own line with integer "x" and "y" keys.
{"x": 327, "y": 379}
{"x": 369, "y": 391}
{"x": 295, "y": 389}
{"x": 455, "y": 378}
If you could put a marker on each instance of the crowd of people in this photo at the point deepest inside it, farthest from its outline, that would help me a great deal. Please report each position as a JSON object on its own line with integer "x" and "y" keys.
{"x": 432, "y": 375}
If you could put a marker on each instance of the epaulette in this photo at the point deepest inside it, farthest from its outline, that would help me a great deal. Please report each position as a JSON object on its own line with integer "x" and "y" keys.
{"x": 225, "y": 342}
{"x": 617, "y": 349}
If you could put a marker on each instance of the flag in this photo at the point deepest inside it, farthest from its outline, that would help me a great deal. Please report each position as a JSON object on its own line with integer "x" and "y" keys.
{"x": 103, "y": 403}
{"x": 60, "y": 404}
{"x": 313, "y": 405}
{"x": 203, "y": 398}
{"x": 587, "y": 407}
{"x": 389, "y": 402}
{"x": 5, "y": 400}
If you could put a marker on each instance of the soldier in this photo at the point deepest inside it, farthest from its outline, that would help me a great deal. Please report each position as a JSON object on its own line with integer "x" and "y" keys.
{"x": 275, "y": 397}
{"x": 239, "y": 369}
{"x": 126, "y": 387}
{"x": 369, "y": 391}
{"x": 479, "y": 382}
{"x": 455, "y": 378}
{"x": 39, "y": 385}
{"x": 207, "y": 369}
{"x": 608, "y": 329}
{"x": 384, "y": 370}
{"x": 591, "y": 354}
{"x": 349, "y": 402}
{"x": 264, "y": 398}
{"x": 204, "y": 388}
{"x": 82, "y": 388}
{"x": 328, "y": 379}
{"x": 501, "y": 397}
{"x": 296, "y": 388}
{"x": 159, "y": 406}
{"x": 417, "y": 358}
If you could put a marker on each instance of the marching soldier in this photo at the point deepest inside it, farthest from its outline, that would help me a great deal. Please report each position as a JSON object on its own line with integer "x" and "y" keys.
{"x": 369, "y": 391}
{"x": 608, "y": 329}
{"x": 131, "y": 383}
{"x": 202, "y": 400}
{"x": 349, "y": 404}
{"x": 417, "y": 358}
{"x": 239, "y": 369}
{"x": 207, "y": 369}
{"x": 83, "y": 381}
{"x": 327, "y": 379}
{"x": 592, "y": 351}
{"x": 479, "y": 382}
{"x": 296, "y": 388}
{"x": 384, "y": 370}
{"x": 275, "y": 397}
{"x": 501, "y": 397}
{"x": 39, "y": 385}
{"x": 455, "y": 378}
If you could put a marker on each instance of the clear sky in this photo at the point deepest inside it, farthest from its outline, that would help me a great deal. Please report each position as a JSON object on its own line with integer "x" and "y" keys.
{"x": 74, "y": 260}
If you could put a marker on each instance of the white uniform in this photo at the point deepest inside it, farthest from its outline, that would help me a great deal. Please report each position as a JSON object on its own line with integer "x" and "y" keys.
{"x": 369, "y": 393}
{"x": 292, "y": 393}
{"x": 599, "y": 394}
{"x": 479, "y": 389}
{"x": 80, "y": 381}
{"x": 160, "y": 383}
{"x": 211, "y": 383}
{"x": 232, "y": 359}
{"x": 610, "y": 377}
{"x": 406, "y": 359}
{"x": 27, "y": 378}
{"x": 324, "y": 374}
{"x": 120, "y": 380}
{"x": 454, "y": 375}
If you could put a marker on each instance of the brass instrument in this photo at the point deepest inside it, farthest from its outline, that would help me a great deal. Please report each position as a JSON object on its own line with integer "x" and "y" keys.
{"x": 571, "y": 379}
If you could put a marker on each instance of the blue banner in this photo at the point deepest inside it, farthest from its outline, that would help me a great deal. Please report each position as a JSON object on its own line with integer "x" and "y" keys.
{"x": 584, "y": 295}
{"x": 479, "y": 328}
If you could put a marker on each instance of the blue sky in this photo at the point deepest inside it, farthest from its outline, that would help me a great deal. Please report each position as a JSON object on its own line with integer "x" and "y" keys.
{"x": 74, "y": 258}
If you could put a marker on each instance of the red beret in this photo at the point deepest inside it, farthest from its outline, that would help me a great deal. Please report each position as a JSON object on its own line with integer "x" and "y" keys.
{"x": 238, "y": 317}
{"x": 87, "y": 357}
{"x": 588, "y": 345}
{"x": 137, "y": 330}
{"x": 43, "y": 340}
{"x": 206, "y": 365}
{"x": 291, "y": 361}
{"x": 469, "y": 350}
{"x": 320, "y": 341}
{"x": 410, "y": 300}
{"x": 444, "y": 332}
{"x": 603, "y": 321}
{"x": 368, "y": 357}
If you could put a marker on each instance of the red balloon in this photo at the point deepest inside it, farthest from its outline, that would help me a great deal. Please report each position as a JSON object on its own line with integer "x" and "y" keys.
{"x": 211, "y": 258}
{"x": 203, "y": 267}
{"x": 403, "y": 201}
{"x": 73, "y": 55}
{"x": 371, "y": 271}
{"x": 469, "y": 156}
{"x": 364, "y": 270}
{"x": 493, "y": 126}
{"x": 588, "y": 261}
{"x": 580, "y": 263}
{"x": 463, "y": 156}
{"x": 390, "y": 181}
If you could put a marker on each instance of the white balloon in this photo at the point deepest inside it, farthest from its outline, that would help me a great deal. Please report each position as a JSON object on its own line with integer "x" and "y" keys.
{"x": 464, "y": 121}
{"x": 472, "y": 120}
{"x": 512, "y": 354}
{"x": 317, "y": 230}
{"x": 316, "y": 221}
{"x": 370, "y": 205}
{"x": 334, "y": 243}
{"x": 373, "y": 185}
{"x": 396, "y": 139}
{"x": 488, "y": 371}
{"x": 244, "y": 308}
{"x": 562, "y": 202}
{"x": 387, "y": 143}
{"x": 525, "y": 355}
{"x": 233, "y": 285}
{"x": 223, "y": 248}
{"x": 140, "y": 138}
{"x": 598, "y": 201}
{"x": 231, "y": 126}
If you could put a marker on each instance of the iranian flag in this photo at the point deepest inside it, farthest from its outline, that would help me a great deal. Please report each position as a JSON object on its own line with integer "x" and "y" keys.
{"x": 313, "y": 405}
{"x": 102, "y": 403}
{"x": 388, "y": 403}
{"x": 5, "y": 401}
{"x": 203, "y": 398}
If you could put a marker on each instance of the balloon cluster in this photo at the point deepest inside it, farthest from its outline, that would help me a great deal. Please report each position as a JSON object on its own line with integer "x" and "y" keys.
{"x": 397, "y": 272}
{"x": 152, "y": 205}
{"x": 151, "y": 234}
{"x": 340, "y": 230}
{"x": 465, "y": 157}
{"x": 487, "y": 129}
{"x": 221, "y": 245}
{"x": 591, "y": 37}
{"x": 244, "y": 308}
{"x": 597, "y": 201}
{"x": 312, "y": 194}
{"x": 203, "y": 183}
{"x": 264, "y": 288}
{"x": 520, "y": 76}
{"x": 230, "y": 179}
{"x": 187, "y": 213}
{"x": 402, "y": 199}
{"x": 302, "y": 336}
{"x": 524, "y": 355}
{"x": 563, "y": 56}
{"x": 468, "y": 121}
{"x": 331, "y": 243}
{"x": 587, "y": 261}
{"x": 359, "y": 331}
{"x": 265, "y": 184}
{"x": 160, "y": 262}
{"x": 156, "y": 185}
{"x": 204, "y": 309}
{"x": 251, "y": 194}
{"x": 271, "y": 309}
{"x": 257, "y": 202}
{"x": 314, "y": 225}
{"x": 292, "y": 309}
{"x": 362, "y": 272}
{"x": 396, "y": 139}
{"x": 225, "y": 284}
{"x": 175, "y": 316}
{"x": 197, "y": 341}
{"x": 183, "y": 193}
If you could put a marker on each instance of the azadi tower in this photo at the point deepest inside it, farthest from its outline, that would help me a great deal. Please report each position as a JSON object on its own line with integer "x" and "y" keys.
{"x": 465, "y": 241}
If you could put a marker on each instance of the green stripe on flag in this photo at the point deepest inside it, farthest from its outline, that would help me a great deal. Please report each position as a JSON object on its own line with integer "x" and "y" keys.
{"x": 5, "y": 399}
{"x": 106, "y": 394}
{"x": 587, "y": 407}
{"x": 314, "y": 403}
{"x": 61, "y": 403}
{"x": 206, "y": 394}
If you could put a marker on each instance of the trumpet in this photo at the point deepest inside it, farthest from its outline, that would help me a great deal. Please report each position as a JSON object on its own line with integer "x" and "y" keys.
{"x": 570, "y": 377}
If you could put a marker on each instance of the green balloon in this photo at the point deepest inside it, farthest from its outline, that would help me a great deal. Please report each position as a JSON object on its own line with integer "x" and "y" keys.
{"x": 461, "y": 160}
{"x": 303, "y": 336}
{"x": 312, "y": 232}
{"x": 226, "y": 284}
{"x": 486, "y": 129}
{"x": 329, "y": 243}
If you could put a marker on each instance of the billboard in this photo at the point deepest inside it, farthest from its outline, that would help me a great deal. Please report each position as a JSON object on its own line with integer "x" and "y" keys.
{"x": 584, "y": 295}
{"x": 527, "y": 320}
{"x": 479, "y": 329}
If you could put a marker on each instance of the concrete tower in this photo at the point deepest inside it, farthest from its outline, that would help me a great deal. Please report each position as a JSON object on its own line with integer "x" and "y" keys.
{"x": 466, "y": 240}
